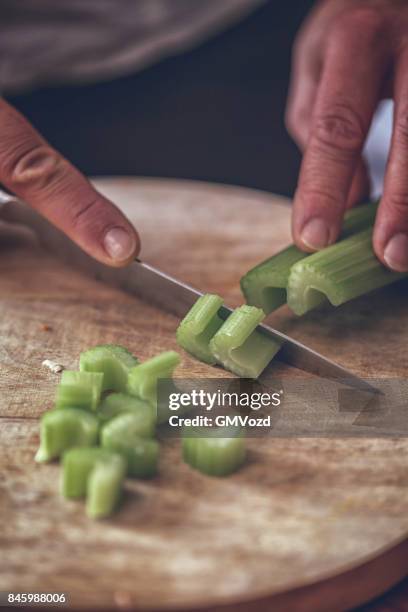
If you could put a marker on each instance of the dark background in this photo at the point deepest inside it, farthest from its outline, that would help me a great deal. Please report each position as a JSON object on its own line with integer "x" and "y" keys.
{"x": 214, "y": 113}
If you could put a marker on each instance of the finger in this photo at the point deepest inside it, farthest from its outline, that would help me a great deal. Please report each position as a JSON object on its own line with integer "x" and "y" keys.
{"x": 391, "y": 227}
{"x": 34, "y": 171}
{"x": 346, "y": 99}
{"x": 302, "y": 92}
{"x": 360, "y": 186}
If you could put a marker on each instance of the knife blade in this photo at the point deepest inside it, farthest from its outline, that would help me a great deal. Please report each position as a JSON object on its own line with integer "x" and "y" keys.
{"x": 163, "y": 291}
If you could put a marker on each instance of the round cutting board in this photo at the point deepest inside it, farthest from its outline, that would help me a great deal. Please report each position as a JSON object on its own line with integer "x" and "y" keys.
{"x": 307, "y": 524}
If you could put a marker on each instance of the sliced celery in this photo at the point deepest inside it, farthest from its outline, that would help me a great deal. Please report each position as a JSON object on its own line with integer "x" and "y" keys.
{"x": 199, "y": 326}
{"x": 339, "y": 273}
{"x": 94, "y": 473}
{"x": 79, "y": 390}
{"x": 118, "y": 403}
{"x": 239, "y": 347}
{"x": 66, "y": 428}
{"x": 265, "y": 285}
{"x": 142, "y": 380}
{"x": 128, "y": 426}
{"x": 113, "y": 361}
{"x": 105, "y": 487}
{"x": 127, "y": 435}
{"x": 218, "y": 452}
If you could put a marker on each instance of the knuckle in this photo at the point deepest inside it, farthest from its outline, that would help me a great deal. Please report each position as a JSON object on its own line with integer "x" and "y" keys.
{"x": 298, "y": 133}
{"x": 296, "y": 118}
{"x": 323, "y": 199}
{"x": 361, "y": 21}
{"x": 397, "y": 202}
{"x": 90, "y": 213}
{"x": 340, "y": 129}
{"x": 35, "y": 167}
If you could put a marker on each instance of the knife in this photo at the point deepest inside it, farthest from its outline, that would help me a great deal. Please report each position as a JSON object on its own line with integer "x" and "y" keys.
{"x": 162, "y": 290}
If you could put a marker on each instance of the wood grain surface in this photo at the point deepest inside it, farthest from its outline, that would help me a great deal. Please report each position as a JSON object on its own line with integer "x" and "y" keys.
{"x": 307, "y": 524}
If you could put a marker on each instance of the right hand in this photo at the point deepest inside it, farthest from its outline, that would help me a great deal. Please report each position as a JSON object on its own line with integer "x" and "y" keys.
{"x": 44, "y": 179}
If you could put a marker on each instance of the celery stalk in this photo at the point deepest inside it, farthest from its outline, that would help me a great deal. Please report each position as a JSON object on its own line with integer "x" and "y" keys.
{"x": 218, "y": 452}
{"x": 119, "y": 403}
{"x": 79, "y": 390}
{"x": 142, "y": 380}
{"x": 113, "y": 361}
{"x": 239, "y": 347}
{"x": 105, "y": 487}
{"x": 265, "y": 285}
{"x": 128, "y": 435}
{"x": 94, "y": 473}
{"x": 66, "y": 428}
{"x": 199, "y": 326}
{"x": 128, "y": 426}
{"x": 338, "y": 273}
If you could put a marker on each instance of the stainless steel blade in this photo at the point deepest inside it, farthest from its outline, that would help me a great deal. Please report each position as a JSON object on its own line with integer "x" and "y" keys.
{"x": 162, "y": 290}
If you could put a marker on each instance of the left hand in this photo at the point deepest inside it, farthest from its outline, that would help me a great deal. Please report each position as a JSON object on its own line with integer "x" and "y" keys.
{"x": 348, "y": 55}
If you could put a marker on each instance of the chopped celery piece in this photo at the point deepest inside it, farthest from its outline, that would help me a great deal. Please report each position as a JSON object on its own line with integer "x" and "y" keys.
{"x": 105, "y": 487}
{"x": 142, "y": 381}
{"x": 199, "y": 326}
{"x": 215, "y": 452}
{"x": 239, "y": 347}
{"x": 265, "y": 285}
{"x": 127, "y": 435}
{"x": 79, "y": 390}
{"x": 118, "y": 403}
{"x": 66, "y": 428}
{"x": 339, "y": 273}
{"x": 113, "y": 361}
{"x": 129, "y": 425}
{"x": 94, "y": 473}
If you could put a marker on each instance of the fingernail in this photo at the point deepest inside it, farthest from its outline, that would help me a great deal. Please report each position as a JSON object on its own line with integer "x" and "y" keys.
{"x": 396, "y": 253}
{"x": 315, "y": 234}
{"x": 119, "y": 244}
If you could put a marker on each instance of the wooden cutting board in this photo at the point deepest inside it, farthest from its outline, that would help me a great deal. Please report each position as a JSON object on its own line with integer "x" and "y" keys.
{"x": 307, "y": 524}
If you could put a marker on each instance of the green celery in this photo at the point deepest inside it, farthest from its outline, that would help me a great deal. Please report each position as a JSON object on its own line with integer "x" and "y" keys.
{"x": 265, "y": 285}
{"x": 79, "y": 390}
{"x": 66, "y": 428}
{"x": 215, "y": 452}
{"x": 127, "y": 435}
{"x": 118, "y": 403}
{"x": 199, "y": 326}
{"x": 113, "y": 361}
{"x": 142, "y": 380}
{"x": 94, "y": 473}
{"x": 239, "y": 347}
{"x": 339, "y": 273}
{"x": 130, "y": 425}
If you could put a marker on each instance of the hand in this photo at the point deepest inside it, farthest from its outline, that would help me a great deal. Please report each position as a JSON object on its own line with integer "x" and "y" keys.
{"x": 34, "y": 171}
{"x": 348, "y": 55}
